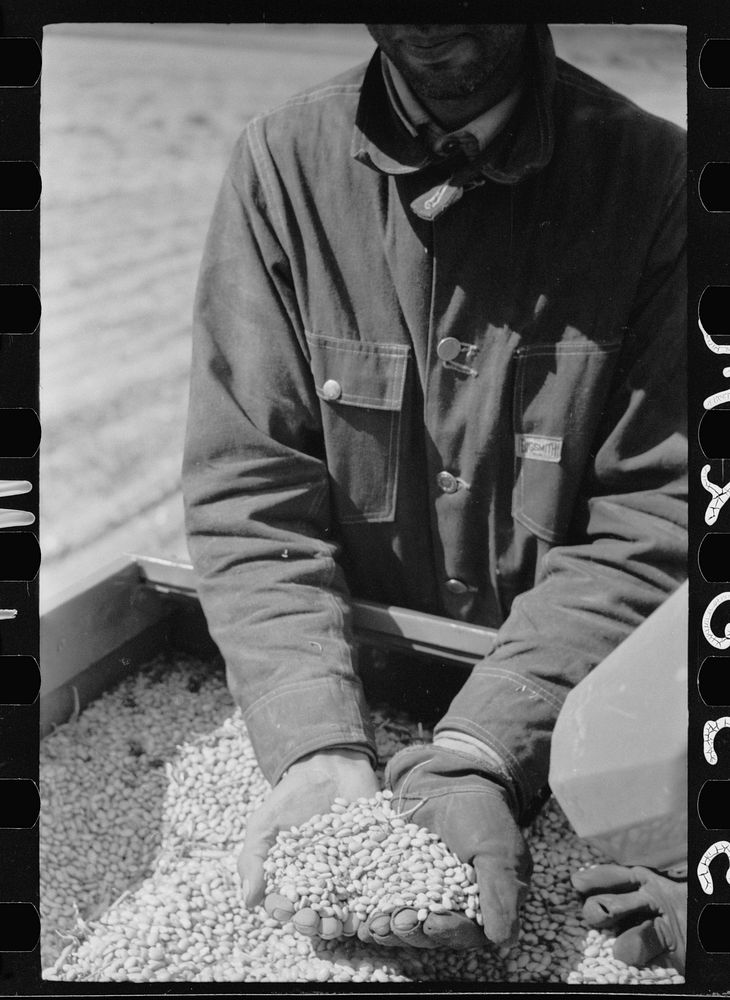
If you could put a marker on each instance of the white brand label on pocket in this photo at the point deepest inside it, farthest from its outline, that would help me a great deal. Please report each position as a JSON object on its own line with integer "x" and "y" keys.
{"x": 542, "y": 449}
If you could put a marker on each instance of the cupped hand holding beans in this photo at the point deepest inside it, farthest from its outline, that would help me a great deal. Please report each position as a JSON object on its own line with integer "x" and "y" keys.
{"x": 435, "y": 862}
{"x": 364, "y": 869}
{"x": 308, "y": 788}
{"x": 448, "y": 793}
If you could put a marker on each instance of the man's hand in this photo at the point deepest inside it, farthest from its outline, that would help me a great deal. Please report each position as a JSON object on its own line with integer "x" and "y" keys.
{"x": 647, "y": 911}
{"x": 447, "y": 792}
{"x": 308, "y": 788}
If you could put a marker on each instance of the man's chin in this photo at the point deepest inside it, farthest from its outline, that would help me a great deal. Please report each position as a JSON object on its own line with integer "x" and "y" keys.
{"x": 444, "y": 85}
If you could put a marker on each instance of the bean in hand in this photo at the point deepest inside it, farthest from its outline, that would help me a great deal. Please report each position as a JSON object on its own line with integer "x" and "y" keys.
{"x": 364, "y": 869}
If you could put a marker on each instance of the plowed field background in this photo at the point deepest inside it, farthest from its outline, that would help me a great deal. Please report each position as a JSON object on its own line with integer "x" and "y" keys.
{"x": 137, "y": 123}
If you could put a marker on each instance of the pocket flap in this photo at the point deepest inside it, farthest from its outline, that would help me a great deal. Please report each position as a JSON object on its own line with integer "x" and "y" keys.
{"x": 359, "y": 373}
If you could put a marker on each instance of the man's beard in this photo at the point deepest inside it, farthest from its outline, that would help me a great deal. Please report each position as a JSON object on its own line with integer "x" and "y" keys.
{"x": 493, "y": 65}
{"x": 448, "y": 86}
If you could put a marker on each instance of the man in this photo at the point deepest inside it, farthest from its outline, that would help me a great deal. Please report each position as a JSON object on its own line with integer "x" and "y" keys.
{"x": 438, "y": 362}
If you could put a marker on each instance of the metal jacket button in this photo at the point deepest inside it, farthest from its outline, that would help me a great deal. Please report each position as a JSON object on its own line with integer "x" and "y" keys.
{"x": 455, "y": 586}
{"x": 448, "y": 348}
{"x": 447, "y": 483}
{"x": 331, "y": 389}
{"x": 463, "y": 141}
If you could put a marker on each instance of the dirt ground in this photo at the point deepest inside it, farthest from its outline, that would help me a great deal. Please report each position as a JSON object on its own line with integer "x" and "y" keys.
{"x": 137, "y": 123}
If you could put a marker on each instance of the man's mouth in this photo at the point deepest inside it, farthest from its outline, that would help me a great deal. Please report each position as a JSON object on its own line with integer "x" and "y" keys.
{"x": 432, "y": 48}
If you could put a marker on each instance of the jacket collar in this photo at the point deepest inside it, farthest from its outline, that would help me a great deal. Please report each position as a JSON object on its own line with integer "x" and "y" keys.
{"x": 381, "y": 141}
{"x": 472, "y": 138}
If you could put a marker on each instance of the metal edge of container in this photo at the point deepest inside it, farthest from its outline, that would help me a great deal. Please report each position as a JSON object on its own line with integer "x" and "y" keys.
{"x": 377, "y": 624}
{"x": 103, "y": 628}
{"x": 93, "y": 634}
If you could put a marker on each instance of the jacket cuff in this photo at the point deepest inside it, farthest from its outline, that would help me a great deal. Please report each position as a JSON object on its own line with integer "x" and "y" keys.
{"x": 305, "y": 716}
{"x": 453, "y": 739}
{"x": 514, "y": 716}
{"x": 444, "y": 771}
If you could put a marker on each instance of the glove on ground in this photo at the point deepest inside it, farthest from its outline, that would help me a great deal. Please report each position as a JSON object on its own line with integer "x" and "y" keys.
{"x": 646, "y": 911}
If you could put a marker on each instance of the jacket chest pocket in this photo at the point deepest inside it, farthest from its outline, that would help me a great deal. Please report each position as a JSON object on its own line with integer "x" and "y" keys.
{"x": 560, "y": 390}
{"x": 361, "y": 388}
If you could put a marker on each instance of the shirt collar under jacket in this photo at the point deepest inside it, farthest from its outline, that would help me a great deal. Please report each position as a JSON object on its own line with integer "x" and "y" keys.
{"x": 471, "y": 139}
{"x": 382, "y": 141}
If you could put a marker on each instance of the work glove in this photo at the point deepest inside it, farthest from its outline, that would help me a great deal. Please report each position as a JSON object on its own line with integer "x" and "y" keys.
{"x": 464, "y": 802}
{"x": 646, "y": 911}
{"x": 308, "y": 788}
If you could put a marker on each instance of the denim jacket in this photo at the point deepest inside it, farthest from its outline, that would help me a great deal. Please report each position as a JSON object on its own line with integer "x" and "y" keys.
{"x": 478, "y": 415}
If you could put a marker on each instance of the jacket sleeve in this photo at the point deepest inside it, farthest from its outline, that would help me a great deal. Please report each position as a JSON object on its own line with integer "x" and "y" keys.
{"x": 627, "y": 548}
{"x": 256, "y": 490}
